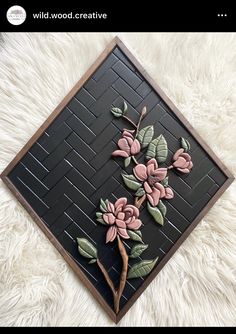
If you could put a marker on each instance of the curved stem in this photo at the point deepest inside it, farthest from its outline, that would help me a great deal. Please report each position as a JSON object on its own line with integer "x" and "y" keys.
{"x": 130, "y": 121}
{"x": 139, "y": 201}
{"x": 170, "y": 167}
{"x": 123, "y": 275}
{"x": 106, "y": 276}
{"x": 142, "y": 115}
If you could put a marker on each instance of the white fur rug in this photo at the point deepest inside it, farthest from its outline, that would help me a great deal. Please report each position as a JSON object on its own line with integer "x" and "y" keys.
{"x": 198, "y": 285}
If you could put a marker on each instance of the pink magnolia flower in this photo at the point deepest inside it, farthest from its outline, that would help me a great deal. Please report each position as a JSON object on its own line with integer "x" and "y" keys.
{"x": 151, "y": 175}
{"x": 127, "y": 144}
{"x": 182, "y": 161}
{"x": 121, "y": 216}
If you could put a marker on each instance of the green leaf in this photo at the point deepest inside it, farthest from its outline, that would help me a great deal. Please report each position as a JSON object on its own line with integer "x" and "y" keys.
{"x": 131, "y": 182}
{"x": 161, "y": 206}
{"x": 185, "y": 144}
{"x": 157, "y": 149}
{"x": 140, "y": 192}
{"x": 98, "y": 214}
{"x": 165, "y": 181}
{"x": 125, "y": 108}
{"x": 127, "y": 161}
{"x": 92, "y": 261}
{"x": 156, "y": 214}
{"x": 137, "y": 250}
{"x": 145, "y": 135}
{"x": 135, "y": 235}
{"x": 103, "y": 206}
{"x": 141, "y": 268}
{"x": 86, "y": 249}
{"x": 117, "y": 112}
{"x": 101, "y": 221}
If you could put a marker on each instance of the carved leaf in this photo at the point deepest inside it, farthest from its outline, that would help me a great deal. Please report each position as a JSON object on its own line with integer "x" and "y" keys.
{"x": 141, "y": 268}
{"x": 103, "y": 206}
{"x": 140, "y": 192}
{"x": 127, "y": 161}
{"x": 86, "y": 249}
{"x": 117, "y": 112}
{"x": 185, "y": 144}
{"x": 137, "y": 250}
{"x": 157, "y": 149}
{"x": 99, "y": 218}
{"x": 125, "y": 108}
{"x": 156, "y": 214}
{"x": 145, "y": 135}
{"x": 161, "y": 206}
{"x": 135, "y": 235}
{"x": 92, "y": 261}
{"x": 131, "y": 182}
{"x": 165, "y": 182}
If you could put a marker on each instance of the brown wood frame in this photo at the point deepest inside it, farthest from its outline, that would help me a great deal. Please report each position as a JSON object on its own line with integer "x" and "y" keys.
{"x": 115, "y": 42}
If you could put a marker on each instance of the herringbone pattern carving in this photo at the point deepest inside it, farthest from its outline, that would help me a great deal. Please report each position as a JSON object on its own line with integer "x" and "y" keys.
{"x": 64, "y": 175}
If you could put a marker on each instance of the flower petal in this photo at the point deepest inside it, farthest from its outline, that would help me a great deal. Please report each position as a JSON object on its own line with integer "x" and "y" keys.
{"x": 135, "y": 147}
{"x": 122, "y": 200}
{"x": 160, "y": 173}
{"x": 177, "y": 153}
{"x": 190, "y": 165}
{"x": 151, "y": 165}
{"x": 186, "y": 156}
{"x": 169, "y": 193}
{"x": 161, "y": 188}
{"x": 111, "y": 234}
{"x": 132, "y": 210}
{"x": 119, "y": 153}
{"x": 130, "y": 141}
{"x": 154, "y": 197}
{"x": 135, "y": 224}
{"x": 118, "y": 209}
{"x": 109, "y": 218}
{"x": 140, "y": 171}
{"x": 128, "y": 133}
{"x": 124, "y": 145}
{"x": 183, "y": 170}
{"x": 179, "y": 163}
{"x": 120, "y": 223}
{"x": 121, "y": 215}
{"x": 147, "y": 188}
{"x": 123, "y": 233}
{"x": 186, "y": 165}
{"x": 110, "y": 207}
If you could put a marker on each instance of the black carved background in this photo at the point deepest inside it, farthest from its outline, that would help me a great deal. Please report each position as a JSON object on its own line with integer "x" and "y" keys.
{"x": 64, "y": 175}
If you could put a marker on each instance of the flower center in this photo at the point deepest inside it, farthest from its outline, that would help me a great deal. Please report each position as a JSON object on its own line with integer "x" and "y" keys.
{"x": 152, "y": 180}
{"x": 121, "y": 215}
{"x": 128, "y": 215}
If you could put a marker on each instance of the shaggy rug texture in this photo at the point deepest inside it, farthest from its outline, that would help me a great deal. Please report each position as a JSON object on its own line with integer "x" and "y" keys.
{"x": 198, "y": 285}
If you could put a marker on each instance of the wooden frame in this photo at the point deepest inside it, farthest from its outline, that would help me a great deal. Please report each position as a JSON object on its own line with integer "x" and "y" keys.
{"x": 115, "y": 42}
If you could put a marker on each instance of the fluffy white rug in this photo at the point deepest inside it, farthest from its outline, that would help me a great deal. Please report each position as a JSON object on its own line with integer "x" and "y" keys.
{"x": 198, "y": 286}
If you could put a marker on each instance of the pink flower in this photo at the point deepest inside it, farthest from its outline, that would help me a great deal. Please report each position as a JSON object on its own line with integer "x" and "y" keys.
{"x": 121, "y": 217}
{"x": 127, "y": 144}
{"x": 169, "y": 193}
{"x": 151, "y": 175}
{"x": 182, "y": 161}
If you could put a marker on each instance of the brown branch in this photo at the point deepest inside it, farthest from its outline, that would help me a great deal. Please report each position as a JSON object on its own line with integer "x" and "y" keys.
{"x": 123, "y": 275}
{"x": 139, "y": 201}
{"x": 107, "y": 277}
{"x": 130, "y": 121}
{"x": 142, "y": 115}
